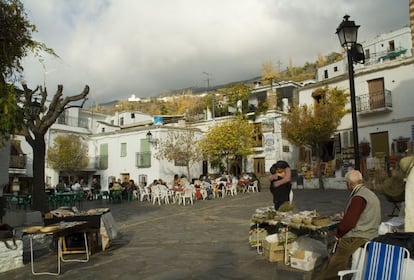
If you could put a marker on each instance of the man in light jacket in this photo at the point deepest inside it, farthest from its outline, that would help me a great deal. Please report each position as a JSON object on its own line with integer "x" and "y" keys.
{"x": 359, "y": 224}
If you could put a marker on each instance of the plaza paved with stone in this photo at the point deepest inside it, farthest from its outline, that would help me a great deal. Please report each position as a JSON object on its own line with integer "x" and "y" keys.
{"x": 207, "y": 240}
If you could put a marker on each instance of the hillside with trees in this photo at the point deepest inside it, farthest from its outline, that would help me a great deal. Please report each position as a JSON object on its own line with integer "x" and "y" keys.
{"x": 194, "y": 101}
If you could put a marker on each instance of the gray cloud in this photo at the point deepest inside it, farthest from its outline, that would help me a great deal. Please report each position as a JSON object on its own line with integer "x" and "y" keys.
{"x": 124, "y": 47}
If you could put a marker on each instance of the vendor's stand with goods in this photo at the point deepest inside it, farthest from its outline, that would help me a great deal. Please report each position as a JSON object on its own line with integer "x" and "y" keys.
{"x": 100, "y": 223}
{"x": 297, "y": 239}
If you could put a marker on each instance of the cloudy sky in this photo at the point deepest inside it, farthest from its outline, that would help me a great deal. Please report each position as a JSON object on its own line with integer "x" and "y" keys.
{"x": 147, "y": 47}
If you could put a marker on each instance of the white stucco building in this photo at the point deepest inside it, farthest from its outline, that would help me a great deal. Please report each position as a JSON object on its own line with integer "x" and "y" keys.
{"x": 384, "y": 99}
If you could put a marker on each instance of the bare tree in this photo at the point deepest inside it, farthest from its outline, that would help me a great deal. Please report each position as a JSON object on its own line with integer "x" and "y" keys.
{"x": 36, "y": 124}
{"x": 180, "y": 147}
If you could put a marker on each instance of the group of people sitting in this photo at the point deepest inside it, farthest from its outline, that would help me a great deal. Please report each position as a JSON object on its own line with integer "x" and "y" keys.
{"x": 207, "y": 183}
{"x": 78, "y": 186}
{"x": 127, "y": 188}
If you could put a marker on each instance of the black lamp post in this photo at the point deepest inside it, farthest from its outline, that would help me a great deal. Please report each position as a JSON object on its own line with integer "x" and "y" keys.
{"x": 347, "y": 33}
{"x": 32, "y": 109}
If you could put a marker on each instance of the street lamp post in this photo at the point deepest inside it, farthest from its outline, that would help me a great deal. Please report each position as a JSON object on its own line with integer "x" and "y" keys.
{"x": 347, "y": 32}
{"x": 208, "y": 90}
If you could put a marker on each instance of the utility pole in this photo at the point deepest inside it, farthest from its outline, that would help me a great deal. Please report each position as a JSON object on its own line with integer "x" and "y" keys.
{"x": 208, "y": 79}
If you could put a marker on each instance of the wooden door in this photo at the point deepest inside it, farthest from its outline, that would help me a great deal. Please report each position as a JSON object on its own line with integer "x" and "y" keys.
{"x": 259, "y": 166}
{"x": 376, "y": 93}
{"x": 380, "y": 144}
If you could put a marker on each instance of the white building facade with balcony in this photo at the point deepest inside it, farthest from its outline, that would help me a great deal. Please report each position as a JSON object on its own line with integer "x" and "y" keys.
{"x": 385, "y": 100}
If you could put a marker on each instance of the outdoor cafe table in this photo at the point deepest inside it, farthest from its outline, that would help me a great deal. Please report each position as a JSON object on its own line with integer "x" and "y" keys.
{"x": 65, "y": 198}
{"x": 59, "y": 231}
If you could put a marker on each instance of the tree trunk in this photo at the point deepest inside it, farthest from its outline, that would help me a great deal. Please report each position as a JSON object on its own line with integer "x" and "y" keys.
{"x": 188, "y": 171}
{"x": 39, "y": 199}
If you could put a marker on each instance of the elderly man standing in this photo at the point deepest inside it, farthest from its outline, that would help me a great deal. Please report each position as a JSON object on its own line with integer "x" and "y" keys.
{"x": 359, "y": 224}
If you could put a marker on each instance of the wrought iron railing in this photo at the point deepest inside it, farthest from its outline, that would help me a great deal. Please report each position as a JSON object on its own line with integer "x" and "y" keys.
{"x": 18, "y": 161}
{"x": 101, "y": 162}
{"x": 72, "y": 121}
{"x": 143, "y": 159}
{"x": 374, "y": 101}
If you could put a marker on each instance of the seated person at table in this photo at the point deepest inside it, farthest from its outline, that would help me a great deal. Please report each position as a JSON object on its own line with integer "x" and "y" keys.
{"x": 359, "y": 224}
{"x": 76, "y": 186}
{"x": 162, "y": 182}
{"x": 116, "y": 186}
{"x": 61, "y": 186}
{"x": 96, "y": 187}
{"x": 131, "y": 189}
{"x": 206, "y": 183}
{"x": 184, "y": 181}
{"x": 224, "y": 179}
{"x": 154, "y": 183}
{"x": 176, "y": 186}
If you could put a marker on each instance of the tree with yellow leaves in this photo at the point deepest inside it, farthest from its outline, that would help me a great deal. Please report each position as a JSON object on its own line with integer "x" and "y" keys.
{"x": 228, "y": 140}
{"x": 269, "y": 72}
{"x": 68, "y": 154}
{"x": 315, "y": 125}
{"x": 237, "y": 94}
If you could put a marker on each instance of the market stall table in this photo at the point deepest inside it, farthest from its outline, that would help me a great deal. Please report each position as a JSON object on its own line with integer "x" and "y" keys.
{"x": 59, "y": 231}
{"x": 100, "y": 223}
{"x": 291, "y": 225}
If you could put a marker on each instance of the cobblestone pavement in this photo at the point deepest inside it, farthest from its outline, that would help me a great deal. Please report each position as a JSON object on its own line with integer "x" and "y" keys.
{"x": 207, "y": 240}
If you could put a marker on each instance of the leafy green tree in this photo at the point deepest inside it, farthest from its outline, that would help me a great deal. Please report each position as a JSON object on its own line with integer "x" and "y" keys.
{"x": 181, "y": 147}
{"x": 15, "y": 43}
{"x": 68, "y": 154}
{"x": 315, "y": 125}
{"x": 237, "y": 93}
{"x": 227, "y": 140}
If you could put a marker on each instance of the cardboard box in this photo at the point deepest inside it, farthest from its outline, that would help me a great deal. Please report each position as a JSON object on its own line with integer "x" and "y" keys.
{"x": 273, "y": 251}
{"x": 303, "y": 260}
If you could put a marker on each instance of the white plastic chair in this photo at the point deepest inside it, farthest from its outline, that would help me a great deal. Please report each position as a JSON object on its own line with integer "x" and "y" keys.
{"x": 188, "y": 194}
{"x": 232, "y": 189}
{"x": 380, "y": 261}
{"x": 203, "y": 192}
{"x": 253, "y": 187}
{"x": 144, "y": 194}
{"x": 156, "y": 194}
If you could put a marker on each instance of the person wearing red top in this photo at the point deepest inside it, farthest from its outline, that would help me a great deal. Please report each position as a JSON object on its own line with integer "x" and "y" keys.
{"x": 359, "y": 224}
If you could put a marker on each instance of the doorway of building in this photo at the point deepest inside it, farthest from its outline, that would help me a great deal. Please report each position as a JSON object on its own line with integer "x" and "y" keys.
{"x": 259, "y": 166}
{"x": 380, "y": 144}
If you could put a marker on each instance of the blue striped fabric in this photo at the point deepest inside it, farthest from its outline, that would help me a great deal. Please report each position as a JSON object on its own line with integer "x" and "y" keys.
{"x": 384, "y": 261}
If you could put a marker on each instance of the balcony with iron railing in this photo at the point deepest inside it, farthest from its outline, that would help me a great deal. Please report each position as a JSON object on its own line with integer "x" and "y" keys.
{"x": 143, "y": 159}
{"x": 100, "y": 162}
{"x": 18, "y": 162}
{"x": 72, "y": 121}
{"x": 389, "y": 54}
{"x": 379, "y": 101}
